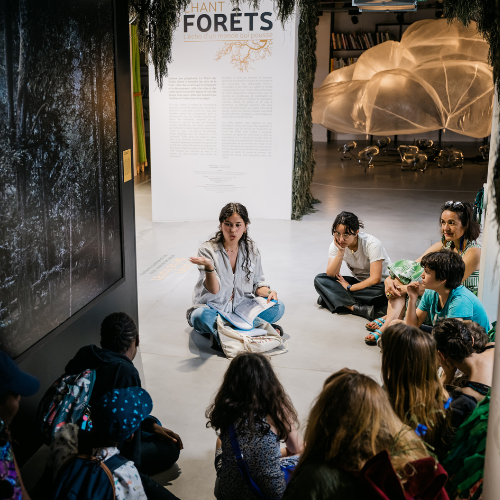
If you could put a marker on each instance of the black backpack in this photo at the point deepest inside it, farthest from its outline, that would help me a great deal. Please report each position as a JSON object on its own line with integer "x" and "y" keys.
{"x": 87, "y": 478}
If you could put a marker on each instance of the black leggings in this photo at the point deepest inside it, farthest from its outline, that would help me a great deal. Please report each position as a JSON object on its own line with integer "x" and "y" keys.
{"x": 336, "y": 297}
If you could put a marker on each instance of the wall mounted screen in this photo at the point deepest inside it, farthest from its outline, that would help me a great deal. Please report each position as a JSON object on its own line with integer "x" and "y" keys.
{"x": 60, "y": 230}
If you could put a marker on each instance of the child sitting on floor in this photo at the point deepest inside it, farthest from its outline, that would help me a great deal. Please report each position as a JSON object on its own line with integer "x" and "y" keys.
{"x": 444, "y": 296}
{"x": 116, "y": 418}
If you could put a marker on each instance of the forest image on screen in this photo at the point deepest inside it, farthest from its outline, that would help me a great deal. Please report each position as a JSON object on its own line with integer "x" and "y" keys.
{"x": 60, "y": 232}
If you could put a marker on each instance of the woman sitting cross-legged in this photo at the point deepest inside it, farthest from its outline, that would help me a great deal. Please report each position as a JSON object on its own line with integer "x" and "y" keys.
{"x": 444, "y": 296}
{"x": 465, "y": 346}
{"x": 410, "y": 374}
{"x": 357, "y": 448}
{"x": 230, "y": 272}
{"x": 365, "y": 257}
{"x": 252, "y": 414}
{"x": 460, "y": 232}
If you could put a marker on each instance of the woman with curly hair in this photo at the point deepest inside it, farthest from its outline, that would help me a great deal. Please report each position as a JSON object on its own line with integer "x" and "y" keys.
{"x": 230, "y": 272}
{"x": 357, "y": 448}
{"x": 253, "y": 412}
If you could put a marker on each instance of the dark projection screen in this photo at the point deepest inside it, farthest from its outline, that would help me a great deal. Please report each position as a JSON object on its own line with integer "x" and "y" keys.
{"x": 60, "y": 228}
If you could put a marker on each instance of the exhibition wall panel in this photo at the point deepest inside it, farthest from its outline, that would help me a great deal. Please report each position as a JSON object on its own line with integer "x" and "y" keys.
{"x": 223, "y": 125}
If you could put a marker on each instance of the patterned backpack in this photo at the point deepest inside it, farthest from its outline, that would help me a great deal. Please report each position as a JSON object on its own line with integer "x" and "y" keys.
{"x": 66, "y": 401}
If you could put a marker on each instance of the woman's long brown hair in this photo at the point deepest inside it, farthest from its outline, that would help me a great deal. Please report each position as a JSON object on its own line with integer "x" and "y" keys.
{"x": 410, "y": 373}
{"x": 351, "y": 421}
{"x": 251, "y": 391}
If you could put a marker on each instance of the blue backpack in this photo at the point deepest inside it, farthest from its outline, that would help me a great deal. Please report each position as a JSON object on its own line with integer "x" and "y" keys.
{"x": 87, "y": 478}
{"x": 66, "y": 401}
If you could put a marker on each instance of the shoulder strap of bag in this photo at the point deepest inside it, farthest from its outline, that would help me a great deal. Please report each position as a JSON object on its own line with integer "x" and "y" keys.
{"x": 104, "y": 468}
{"x": 115, "y": 462}
{"x": 242, "y": 465}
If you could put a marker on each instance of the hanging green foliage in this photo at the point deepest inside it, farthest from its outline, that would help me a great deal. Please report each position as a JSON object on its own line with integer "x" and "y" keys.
{"x": 304, "y": 162}
{"x": 486, "y": 14}
{"x": 157, "y": 21}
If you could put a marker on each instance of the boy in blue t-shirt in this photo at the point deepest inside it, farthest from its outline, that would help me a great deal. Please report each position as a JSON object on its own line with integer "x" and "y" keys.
{"x": 444, "y": 296}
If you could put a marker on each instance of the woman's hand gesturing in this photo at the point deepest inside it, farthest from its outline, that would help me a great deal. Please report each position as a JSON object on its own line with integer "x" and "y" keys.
{"x": 202, "y": 261}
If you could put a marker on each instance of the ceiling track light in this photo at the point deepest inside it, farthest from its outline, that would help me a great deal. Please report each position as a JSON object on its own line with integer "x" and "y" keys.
{"x": 386, "y": 5}
{"x": 354, "y": 13}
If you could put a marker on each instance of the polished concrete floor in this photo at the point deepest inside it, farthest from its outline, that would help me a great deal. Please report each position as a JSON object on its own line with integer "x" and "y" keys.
{"x": 182, "y": 373}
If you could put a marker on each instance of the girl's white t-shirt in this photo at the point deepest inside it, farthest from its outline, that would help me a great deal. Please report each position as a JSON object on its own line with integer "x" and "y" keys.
{"x": 369, "y": 250}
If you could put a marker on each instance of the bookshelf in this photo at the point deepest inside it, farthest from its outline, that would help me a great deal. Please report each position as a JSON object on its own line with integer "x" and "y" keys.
{"x": 355, "y": 40}
{"x": 347, "y": 47}
{"x": 396, "y": 29}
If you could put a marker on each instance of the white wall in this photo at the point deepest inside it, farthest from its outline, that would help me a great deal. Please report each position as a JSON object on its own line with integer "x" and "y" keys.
{"x": 490, "y": 294}
{"x": 489, "y": 273}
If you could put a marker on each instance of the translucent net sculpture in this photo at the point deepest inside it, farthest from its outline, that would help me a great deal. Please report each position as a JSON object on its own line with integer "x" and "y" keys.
{"x": 437, "y": 77}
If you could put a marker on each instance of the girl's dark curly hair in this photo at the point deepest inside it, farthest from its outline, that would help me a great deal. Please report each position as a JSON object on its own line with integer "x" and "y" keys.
{"x": 118, "y": 332}
{"x": 249, "y": 392}
{"x": 245, "y": 241}
{"x": 465, "y": 213}
{"x": 349, "y": 221}
{"x": 459, "y": 340}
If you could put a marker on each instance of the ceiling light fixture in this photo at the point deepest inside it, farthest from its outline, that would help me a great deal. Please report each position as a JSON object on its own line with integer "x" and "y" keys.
{"x": 385, "y": 5}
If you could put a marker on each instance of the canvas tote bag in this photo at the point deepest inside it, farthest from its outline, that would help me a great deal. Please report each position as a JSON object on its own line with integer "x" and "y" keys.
{"x": 233, "y": 342}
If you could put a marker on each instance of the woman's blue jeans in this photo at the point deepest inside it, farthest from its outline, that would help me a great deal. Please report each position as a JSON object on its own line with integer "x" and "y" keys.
{"x": 204, "y": 319}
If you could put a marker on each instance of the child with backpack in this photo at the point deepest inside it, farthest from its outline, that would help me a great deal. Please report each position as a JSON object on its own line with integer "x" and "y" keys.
{"x": 88, "y": 465}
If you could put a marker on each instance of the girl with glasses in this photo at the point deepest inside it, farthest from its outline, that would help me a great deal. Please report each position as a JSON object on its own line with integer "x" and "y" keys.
{"x": 363, "y": 293}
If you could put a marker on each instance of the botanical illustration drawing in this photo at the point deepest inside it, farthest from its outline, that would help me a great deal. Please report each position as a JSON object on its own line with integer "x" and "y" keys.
{"x": 244, "y": 53}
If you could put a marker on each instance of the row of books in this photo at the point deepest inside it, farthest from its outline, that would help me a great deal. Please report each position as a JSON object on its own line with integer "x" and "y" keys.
{"x": 358, "y": 41}
{"x": 337, "y": 63}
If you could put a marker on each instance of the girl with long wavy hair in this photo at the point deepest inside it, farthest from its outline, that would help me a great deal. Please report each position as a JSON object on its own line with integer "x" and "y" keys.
{"x": 410, "y": 373}
{"x": 230, "y": 271}
{"x": 357, "y": 448}
{"x": 253, "y": 402}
